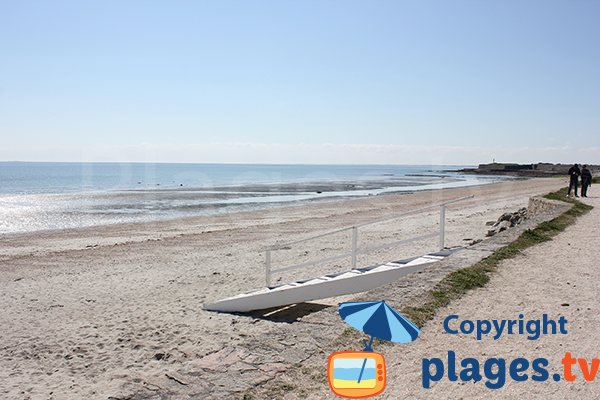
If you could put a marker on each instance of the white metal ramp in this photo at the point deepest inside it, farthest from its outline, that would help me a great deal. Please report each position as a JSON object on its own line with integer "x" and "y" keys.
{"x": 354, "y": 281}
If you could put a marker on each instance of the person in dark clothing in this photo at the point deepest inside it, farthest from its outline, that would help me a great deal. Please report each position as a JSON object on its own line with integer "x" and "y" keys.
{"x": 574, "y": 173}
{"x": 586, "y": 180}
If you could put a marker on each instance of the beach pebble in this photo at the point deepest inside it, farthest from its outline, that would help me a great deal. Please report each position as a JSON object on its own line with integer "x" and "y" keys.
{"x": 161, "y": 356}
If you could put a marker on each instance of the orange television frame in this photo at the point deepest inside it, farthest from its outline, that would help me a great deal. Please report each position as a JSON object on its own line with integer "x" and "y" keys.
{"x": 371, "y": 389}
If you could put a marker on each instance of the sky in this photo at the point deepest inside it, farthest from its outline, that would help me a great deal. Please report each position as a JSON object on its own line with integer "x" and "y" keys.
{"x": 334, "y": 82}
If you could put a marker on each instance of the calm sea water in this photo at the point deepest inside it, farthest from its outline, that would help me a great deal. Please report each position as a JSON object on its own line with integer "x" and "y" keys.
{"x": 41, "y": 196}
{"x": 20, "y": 178}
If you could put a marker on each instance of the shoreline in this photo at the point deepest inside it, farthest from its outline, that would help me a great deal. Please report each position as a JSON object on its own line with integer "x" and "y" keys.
{"x": 36, "y": 212}
{"x": 339, "y": 197}
{"x": 129, "y": 306}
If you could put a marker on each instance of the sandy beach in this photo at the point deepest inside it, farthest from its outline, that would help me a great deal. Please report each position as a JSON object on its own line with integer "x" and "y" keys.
{"x": 115, "y": 312}
{"x": 190, "y": 190}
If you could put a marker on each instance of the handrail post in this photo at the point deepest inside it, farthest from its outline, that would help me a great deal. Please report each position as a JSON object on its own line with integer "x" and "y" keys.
{"x": 268, "y": 268}
{"x": 354, "y": 245}
{"x": 442, "y": 226}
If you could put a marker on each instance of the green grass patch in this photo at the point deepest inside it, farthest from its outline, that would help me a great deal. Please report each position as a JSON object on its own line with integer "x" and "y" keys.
{"x": 596, "y": 179}
{"x": 457, "y": 283}
{"x": 560, "y": 195}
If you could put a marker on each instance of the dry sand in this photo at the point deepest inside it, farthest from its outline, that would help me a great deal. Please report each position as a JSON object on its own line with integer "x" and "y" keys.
{"x": 116, "y": 311}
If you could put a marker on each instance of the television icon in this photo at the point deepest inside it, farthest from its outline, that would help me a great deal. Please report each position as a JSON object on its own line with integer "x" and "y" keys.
{"x": 356, "y": 374}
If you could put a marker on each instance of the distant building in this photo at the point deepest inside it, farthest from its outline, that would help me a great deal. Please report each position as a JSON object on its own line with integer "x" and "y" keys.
{"x": 539, "y": 169}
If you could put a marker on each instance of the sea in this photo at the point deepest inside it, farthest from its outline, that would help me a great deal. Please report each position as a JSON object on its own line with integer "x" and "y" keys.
{"x": 39, "y": 196}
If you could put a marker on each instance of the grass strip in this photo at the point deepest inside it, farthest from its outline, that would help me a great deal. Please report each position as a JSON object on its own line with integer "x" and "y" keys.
{"x": 459, "y": 282}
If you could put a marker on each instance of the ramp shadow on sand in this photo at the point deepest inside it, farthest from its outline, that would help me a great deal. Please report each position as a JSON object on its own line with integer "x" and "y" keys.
{"x": 286, "y": 314}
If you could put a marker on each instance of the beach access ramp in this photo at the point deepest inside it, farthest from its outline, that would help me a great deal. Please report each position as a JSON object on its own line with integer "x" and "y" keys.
{"x": 353, "y": 281}
{"x": 356, "y": 280}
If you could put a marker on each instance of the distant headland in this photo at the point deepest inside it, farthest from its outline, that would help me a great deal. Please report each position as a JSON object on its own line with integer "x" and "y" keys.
{"x": 533, "y": 170}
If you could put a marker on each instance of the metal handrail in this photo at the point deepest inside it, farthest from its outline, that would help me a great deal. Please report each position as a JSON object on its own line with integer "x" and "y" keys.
{"x": 396, "y": 243}
{"x": 350, "y": 253}
{"x": 282, "y": 246}
{"x": 418, "y": 210}
{"x": 355, "y": 251}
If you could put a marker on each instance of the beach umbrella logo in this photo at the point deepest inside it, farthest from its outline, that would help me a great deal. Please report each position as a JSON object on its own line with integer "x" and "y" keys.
{"x": 361, "y": 374}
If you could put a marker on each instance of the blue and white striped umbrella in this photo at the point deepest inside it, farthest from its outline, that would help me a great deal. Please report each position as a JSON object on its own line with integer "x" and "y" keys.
{"x": 377, "y": 319}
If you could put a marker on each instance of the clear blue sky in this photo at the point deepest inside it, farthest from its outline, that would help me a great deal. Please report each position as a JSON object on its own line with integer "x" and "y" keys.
{"x": 455, "y": 82}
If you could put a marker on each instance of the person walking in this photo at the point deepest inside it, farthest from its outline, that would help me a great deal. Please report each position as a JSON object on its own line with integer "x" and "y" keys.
{"x": 574, "y": 173}
{"x": 586, "y": 180}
